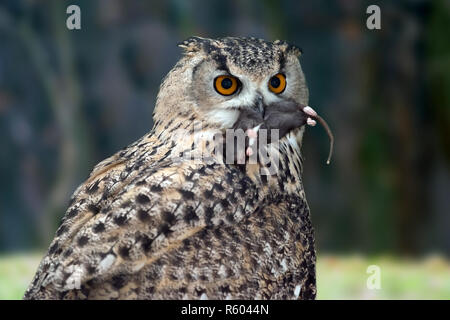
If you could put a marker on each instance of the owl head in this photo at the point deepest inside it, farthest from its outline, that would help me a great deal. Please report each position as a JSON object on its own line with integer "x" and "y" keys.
{"x": 216, "y": 78}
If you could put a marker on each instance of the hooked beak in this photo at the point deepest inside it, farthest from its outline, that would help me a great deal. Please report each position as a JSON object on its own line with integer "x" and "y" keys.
{"x": 259, "y": 105}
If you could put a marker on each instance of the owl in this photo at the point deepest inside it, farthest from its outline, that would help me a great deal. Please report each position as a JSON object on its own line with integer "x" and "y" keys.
{"x": 166, "y": 218}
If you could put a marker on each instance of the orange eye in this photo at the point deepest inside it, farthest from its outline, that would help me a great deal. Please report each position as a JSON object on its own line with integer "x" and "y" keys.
{"x": 226, "y": 85}
{"x": 277, "y": 83}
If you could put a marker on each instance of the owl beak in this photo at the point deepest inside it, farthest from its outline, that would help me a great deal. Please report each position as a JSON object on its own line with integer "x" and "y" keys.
{"x": 259, "y": 105}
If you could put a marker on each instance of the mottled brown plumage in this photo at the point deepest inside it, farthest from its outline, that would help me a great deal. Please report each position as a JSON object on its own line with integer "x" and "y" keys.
{"x": 149, "y": 224}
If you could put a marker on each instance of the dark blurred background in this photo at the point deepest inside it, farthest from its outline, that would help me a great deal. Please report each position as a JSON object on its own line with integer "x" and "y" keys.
{"x": 69, "y": 99}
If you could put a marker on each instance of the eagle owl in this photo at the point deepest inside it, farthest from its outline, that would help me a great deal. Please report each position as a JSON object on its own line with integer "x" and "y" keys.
{"x": 149, "y": 223}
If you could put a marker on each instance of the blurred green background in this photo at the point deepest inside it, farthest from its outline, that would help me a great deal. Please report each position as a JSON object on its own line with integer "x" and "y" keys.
{"x": 69, "y": 99}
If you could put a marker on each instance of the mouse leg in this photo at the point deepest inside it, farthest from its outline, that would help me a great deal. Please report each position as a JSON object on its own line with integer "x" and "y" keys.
{"x": 312, "y": 114}
{"x": 249, "y": 121}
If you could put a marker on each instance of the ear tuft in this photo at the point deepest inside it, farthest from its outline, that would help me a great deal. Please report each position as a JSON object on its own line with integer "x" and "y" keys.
{"x": 193, "y": 44}
{"x": 288, "y": 48}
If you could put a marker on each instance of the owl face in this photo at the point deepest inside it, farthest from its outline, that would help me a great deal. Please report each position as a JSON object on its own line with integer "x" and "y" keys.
{"x": 232, "y": 74}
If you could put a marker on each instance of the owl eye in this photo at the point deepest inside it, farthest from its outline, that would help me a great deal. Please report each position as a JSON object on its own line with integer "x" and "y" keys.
{"x": 226, "y": 85}
{"x": 277, "y": 83}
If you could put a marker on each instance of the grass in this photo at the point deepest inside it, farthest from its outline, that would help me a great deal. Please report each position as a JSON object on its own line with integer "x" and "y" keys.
{"x": 345, "y": 277}
{"x": 338, "y": 277}
{"x": 16, "y": 272}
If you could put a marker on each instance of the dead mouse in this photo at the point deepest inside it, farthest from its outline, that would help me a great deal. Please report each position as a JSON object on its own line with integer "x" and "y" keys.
{"x": 284, "y": 116}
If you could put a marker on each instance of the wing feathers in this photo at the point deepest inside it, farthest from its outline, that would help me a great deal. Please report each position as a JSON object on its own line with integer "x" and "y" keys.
{"x": 122, "y": 225}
